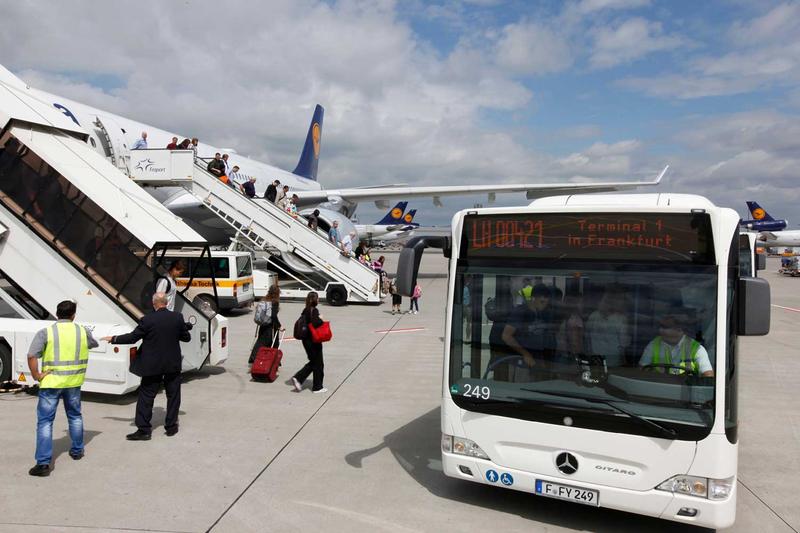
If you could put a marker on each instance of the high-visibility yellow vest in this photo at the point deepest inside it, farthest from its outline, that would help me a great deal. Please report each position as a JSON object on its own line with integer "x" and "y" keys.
{"x": 692, "y": 356}
{"x": 526, "y": 292}
{"x": 66, "y": 355}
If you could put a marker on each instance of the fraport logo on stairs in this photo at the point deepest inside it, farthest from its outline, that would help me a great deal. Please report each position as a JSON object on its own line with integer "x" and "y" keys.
{"x": 148, "y": 165}
{"x": 505, "y": 478}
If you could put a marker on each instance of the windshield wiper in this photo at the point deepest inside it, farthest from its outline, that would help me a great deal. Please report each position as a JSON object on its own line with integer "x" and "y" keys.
{"x": 662, "y": 430}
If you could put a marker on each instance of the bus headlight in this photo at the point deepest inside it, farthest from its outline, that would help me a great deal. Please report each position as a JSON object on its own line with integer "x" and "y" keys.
{"x": 690, "y": 485}
{"x": 461, "y": 446}
{"x": 713, "y": 489}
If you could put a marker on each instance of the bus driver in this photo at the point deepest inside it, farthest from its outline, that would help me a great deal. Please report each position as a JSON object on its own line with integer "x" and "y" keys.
{"x": 672, "y": 351}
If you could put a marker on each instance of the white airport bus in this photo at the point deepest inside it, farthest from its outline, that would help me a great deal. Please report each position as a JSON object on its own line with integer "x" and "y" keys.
{"x": 590, "y": 351}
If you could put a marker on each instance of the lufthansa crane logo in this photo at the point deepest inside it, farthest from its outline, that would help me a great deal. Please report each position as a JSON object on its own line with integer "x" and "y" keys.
{"x": 408, "y": 218}
{"x": 567, "y": 463}
{"x": 397, "y": 212}
{"x": 759, "y": 213}
{"x": 316, "y": 133}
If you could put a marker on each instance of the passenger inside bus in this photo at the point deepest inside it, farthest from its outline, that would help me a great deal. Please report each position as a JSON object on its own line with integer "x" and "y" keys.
{"x": 607, "y": 331}
{"x": 530, "y": 330}
{"x": 672, "y": 351}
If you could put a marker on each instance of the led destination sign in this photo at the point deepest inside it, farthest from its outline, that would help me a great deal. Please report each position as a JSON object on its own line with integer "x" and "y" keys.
{"x": 624, "y": 236}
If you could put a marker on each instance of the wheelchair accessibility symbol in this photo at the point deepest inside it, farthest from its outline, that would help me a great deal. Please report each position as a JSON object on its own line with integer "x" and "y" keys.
{"x": 507, "y": 479}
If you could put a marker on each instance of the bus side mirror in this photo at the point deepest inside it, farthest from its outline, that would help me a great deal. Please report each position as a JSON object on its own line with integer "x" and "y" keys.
{"x": 754, "y": 306}
{"x": 761, "y": 261}
{"x": 410, "y": 257}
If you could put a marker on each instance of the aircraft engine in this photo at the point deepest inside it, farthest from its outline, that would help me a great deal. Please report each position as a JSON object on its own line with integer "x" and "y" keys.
{"x": 326, "y": 218}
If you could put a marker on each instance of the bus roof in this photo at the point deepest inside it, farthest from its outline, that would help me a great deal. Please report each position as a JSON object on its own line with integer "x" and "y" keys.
{"x": 649, "y": 200}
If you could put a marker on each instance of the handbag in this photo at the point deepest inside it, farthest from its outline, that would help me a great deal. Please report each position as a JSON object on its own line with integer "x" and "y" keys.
{"x": 322, "y": 333}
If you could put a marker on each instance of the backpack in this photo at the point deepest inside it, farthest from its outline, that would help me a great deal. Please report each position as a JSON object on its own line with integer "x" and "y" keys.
{"x": 301, "y": 327}
{"x": 149, "y": 290}
{"x": 263, "y": 313}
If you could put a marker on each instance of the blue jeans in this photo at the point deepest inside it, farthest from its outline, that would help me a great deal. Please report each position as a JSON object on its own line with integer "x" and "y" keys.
{"x": 46, "y": 413}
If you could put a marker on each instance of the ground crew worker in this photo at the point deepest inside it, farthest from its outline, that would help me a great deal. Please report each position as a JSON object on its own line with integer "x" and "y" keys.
{"x": 64, "y": 351}
{"x": 675, "y": 353}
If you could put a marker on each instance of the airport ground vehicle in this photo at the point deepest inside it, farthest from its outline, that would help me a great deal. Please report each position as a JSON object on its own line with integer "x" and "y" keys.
{"x": 72, "y": 226}
{"x": 583, "y": 416}
{"x": 789, "y": 266}
{"x": 230, "y": 272}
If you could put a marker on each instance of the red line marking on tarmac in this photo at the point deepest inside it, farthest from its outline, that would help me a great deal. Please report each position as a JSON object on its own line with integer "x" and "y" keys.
{"x": 401, "y": 330}
{"x": 787, "y": 308}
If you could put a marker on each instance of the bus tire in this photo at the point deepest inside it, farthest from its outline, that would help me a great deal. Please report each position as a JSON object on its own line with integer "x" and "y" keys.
{"x": 5, "y": 361}
{"x": 336, "y": 295}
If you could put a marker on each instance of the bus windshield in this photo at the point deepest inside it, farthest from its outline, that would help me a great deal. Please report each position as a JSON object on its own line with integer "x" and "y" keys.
{"x": 620, "y": 346}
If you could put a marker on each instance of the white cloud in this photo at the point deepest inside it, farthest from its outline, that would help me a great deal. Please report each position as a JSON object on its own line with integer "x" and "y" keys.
{"x": 742, "y": 156}
{"x": 629, "y": 41}
{"x": 586, "y": 7}
{"x": 530, "y": 48}
{"x": 777, "y": 25}
{"x": 760, "y": 53}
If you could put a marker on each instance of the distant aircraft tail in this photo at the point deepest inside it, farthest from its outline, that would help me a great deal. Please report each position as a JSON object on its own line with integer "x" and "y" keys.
{"x": 758, "y": 212}
{"x": 394, "y": 216}
{"x": 309, "y": 159}
{"x": 408, "y": 218}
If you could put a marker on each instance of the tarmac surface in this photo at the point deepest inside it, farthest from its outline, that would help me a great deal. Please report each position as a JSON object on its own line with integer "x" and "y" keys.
{"x": 363, "y": 457}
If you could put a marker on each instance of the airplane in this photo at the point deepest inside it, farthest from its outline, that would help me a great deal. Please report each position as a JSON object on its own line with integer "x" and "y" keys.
{"x": 393, "y": 233}
{"x": 113, "y": 136}
{"x": 779, "y": 238}
{"x": 762, "y": 221}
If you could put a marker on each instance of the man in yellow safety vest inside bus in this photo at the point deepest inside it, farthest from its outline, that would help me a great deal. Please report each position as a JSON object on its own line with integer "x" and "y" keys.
{"x": 672, "y": 351}
{"x": 526, "y": 292}
{"x": 64, "y": 351}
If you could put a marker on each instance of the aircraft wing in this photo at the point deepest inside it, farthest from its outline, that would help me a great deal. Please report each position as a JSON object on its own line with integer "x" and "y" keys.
{"x": 531, "y": 190}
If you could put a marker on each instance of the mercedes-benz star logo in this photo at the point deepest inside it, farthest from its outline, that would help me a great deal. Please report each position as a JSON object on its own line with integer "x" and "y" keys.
{"x": 567, "y": 463}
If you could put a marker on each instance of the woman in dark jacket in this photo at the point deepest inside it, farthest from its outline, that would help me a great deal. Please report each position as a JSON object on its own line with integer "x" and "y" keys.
{"x": 267, "y": 332}
{"x": 313, "y": 349}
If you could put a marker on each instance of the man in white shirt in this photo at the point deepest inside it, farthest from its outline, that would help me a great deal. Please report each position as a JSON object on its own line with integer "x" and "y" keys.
{"x": 141, "y": 143}
{"x": 347, "y": 242}
{"x": 168, "y": 285}
{"x": 675, "y": 353}
{"x": 607, "y": 331}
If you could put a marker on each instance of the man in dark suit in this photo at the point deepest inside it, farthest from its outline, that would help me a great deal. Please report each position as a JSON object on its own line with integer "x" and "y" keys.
{"x": 159, "y": 359}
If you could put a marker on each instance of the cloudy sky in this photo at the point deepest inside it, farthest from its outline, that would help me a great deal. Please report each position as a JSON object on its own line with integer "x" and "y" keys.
{"x": 448, "y": 91}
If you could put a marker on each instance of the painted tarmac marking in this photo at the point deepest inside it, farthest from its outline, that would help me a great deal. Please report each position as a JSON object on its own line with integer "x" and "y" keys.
{"x": 402, "y": 330}
{"x": 787, "y": 308}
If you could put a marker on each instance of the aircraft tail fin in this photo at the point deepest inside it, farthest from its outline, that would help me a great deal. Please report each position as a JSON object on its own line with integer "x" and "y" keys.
{"x": 309, "y": 159}
{"x": 394, "y": 216}
{"x": 408, "y": 218}
{"x": 758, "y": 212}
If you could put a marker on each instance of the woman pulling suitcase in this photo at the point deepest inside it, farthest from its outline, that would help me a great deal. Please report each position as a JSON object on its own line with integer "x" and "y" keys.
{"x": 310, "y": 316}
{"x": 266, "y": 317}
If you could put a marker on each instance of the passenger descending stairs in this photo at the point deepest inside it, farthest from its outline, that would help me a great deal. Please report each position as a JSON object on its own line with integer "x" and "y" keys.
{"x": 269, "y": 228}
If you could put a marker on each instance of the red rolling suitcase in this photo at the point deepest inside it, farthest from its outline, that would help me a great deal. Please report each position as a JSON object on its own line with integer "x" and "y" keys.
{"x": 265, "y": 367}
